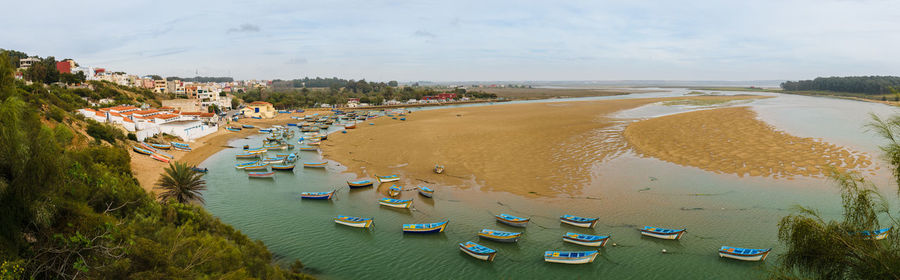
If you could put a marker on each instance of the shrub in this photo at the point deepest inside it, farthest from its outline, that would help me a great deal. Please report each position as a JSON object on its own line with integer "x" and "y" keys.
{"x": 104, "y": 132}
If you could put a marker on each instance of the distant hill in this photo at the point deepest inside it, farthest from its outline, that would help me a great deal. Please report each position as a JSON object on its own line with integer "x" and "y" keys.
{"x": 853, "y": 84}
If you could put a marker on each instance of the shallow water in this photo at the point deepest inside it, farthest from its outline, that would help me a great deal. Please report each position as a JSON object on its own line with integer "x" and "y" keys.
{"x": 627, "y": 192}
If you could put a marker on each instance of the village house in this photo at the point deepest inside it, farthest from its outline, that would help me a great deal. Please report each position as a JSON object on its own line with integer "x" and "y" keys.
{"x": 259, "y": 109}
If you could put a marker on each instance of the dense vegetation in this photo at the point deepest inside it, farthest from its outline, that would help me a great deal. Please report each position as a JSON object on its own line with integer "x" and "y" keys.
{"x": 72, "y": 209}
{"x": 828, "y": 249}
{"x": 199, "y": 79}
{"x": 859, "y": 84}
{"x": 368, "y": 92}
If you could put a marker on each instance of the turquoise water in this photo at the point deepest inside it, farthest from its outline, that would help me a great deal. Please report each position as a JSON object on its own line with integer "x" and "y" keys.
{"x": 627, "y": 192}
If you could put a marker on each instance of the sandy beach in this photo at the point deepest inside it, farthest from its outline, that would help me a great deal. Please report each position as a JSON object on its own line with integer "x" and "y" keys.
{"x": 732, "y": 140}
{"x": 528, "y": 148}
{"x": 148, "y": 170}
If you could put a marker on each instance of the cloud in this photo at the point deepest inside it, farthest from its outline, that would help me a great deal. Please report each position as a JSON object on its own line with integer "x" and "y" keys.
{"x": 297, "y": 60}
{"x": 423, "y": 33}
{"x": 244, "y": 28}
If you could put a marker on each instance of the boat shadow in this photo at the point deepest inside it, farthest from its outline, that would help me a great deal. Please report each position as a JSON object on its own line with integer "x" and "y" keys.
{"x": 368, "y": 233}
{"x": 404, "y": 211}
{"x": 666, "y": 242}
{"x": 433, "y": 236}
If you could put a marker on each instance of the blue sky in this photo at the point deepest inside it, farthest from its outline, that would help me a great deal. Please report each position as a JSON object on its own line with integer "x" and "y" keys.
{"x": 466, "y": 40}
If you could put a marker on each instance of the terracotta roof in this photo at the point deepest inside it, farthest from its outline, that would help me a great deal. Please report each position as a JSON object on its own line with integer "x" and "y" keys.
{"x": 191, "y": 113}
{"x": 115, "y": 114}
{"x": 122, "y": 108}
{"x": 166, "y": 108}
{"x": 127, "y": 120}
{"x": 144, "y": 112}
{"x": 165, "y": 116}
{"x": 207, "y": 115}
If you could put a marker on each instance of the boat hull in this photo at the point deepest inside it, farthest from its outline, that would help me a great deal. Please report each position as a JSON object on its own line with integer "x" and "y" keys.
{"x": 435, "y": 229}
{"x": 591, "y": 243}
{"x": 749, "y": 258}
{"x": 503, "y": 239}
{"x": 364, "y": 224}
{"x": 405, "y": 205}
{"x": 380, "y": 180}
{"x": 314, "y": 165}
{"x": 484, "y": 257}
{"x": 512, "y": 223}
{"x": 359, "y": 185}
{"x": 590, "y": 224}
{"x": 667, "y": 236}
{"x": 583, "y": 260}
{"x": 316, "y": 196}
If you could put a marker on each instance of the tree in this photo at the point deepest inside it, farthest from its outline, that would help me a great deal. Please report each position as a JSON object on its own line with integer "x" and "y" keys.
{"x": 181, "y": 183}
{"x": 235, "y": 103}
{"x": 837, "y": 249}
{"x": 212, "y": 109}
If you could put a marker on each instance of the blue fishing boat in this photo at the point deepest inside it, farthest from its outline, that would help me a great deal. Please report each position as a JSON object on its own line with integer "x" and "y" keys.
{"x": 246, "y": 155}
{"x": 261, "y": 175}
{"x": 317, "y": 195}
{"x": 586, "y": 239}
{"x": 179, "y": 144}
{"x": 315, "y": 164}
{"x": 876, "y": 234}
{"x": 663, "y": 233}
{"x": 308, "y": 148}
{"x": 425, "y": 228}
{"x": 396, "y": 203}
{"x": 394, "y": 191}
{"x": 744, "y": 254}
{"x": 160, "y": 146}
{"x": 233, "y": 129}
{"x": 265, "y": 130}
{"x": 200, "y": 170}
{"x": 242, "y": 165}
{"x": 477, "y": 251}
{"x": 579, "y": 221}
{"x": 426, "y": 191}
{"x": 354, "y": 221}
{"x": 283, "y": 167}
{"x": 258, "y": 166}
{"x": 500, "y": 236}
{"x": 512, "y": 220}
{"x": 291, "y": 124}
{"x": 141, "y": 150}
{"x": 256, "y": 118}
{"x": 388, "y": 178}
{"x": 247, "y": 126}
{"x": 359, "y": 184}
{"x": 570, "y": 257}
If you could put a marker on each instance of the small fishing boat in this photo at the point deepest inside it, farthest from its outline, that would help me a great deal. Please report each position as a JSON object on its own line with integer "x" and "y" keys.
{"x": 512, "y": 220}
{"x": 396, "y": 203}
{"x": 354, "y": 221}
{"x": 159, "y": 157}
{"x": 314, "y": 143}
{"x": 438, "y": 169}
{"x": 579, "y": 221}
{"x": 359, "y": 184}
{"x": 477, "y": 251}
{"x": 247, "y": 126}
{"x": 283, "y": 167}
{"x": 233, "y": 129}
{"x": 317, "y": 195}
{"x": 262, "y": 175}
{"x": 876, "y": 234}
{"x": 179, "y": 144}
{"x": 570, "y": 257}
{"x": 246, "y": 155}
{"x": 256, "y": 167}
{"x": 200, "y": 170}
{"x": 161, "y": 146}
{"x": 308, "y": 148}
{"x": 181, "y": 148}
{"x": 744, "y": 254}
{"x": 141, "y": 150}
{"x": 394, "y": 191}
{"x": 291, "y": 124}
{"x": 349, "y": 126}
{"x": 242, "y": 165}
{"x": 500, "y": 236}
{"x": 425, "y": 228}
{"x": 663, "y": 233}
{"x": 315, "y": 164}
{"x": 388, "y": 178}
{"x": 586, "y": 239}
{"x": 274, "y": 160}
{"x": 426, "y": 191}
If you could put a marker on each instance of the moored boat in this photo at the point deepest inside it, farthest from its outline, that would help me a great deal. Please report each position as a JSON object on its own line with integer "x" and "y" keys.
{"x": 425, "y": 228}
{"x": 159, "y": 157}
{"x": 359, "y": 184}
{"x": 570, "y": 257}
{"x": 438, "y": 169}
{"x": 396, "y": 203}
{"x": 141, "y": 150}
{"x": 354, "y": 221}
{"x": 233, "y": 129}
{"x": 258, "y": 166}
{"x": 349, "y": 126}
{"x": 426, "y": 191}
{"x": 161, "y": 146}
{"x": 247, "y": 126}
{"x": 261, "y": 175}
{"x": 500, "y": 236}
{"x": 586, "y": 239}
{"x": 876, "y": 234}
{"x": 512, "y": 220}
{"x": 242, "y": 165}
{"x": 579, "y": 221}
{"x": 246, "y": 155}
{"x": 317, "y": 195}
{"x": 744, "y": 254}
{"x": 394, "y": 191}
{"x": 663, "y": 233}
{"x": 283, "y": 167}
{"x": 388, "y": 178}
{"x": 477, "y": 251}
{"x": 200, "y": 170}
{"x": 315, "y": 143}
{"x": 315, "y": 164}
{"x": 308, "y": 148}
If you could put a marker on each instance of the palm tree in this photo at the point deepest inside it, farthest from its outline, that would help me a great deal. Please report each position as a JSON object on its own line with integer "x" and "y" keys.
{"x": 182, "y": 183}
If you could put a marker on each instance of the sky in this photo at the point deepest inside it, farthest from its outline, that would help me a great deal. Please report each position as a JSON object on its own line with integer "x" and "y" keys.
{"x": 466, "y": 40}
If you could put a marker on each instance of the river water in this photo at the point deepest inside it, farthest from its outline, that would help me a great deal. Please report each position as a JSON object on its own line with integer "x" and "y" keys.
{"x": 627, "y": 192}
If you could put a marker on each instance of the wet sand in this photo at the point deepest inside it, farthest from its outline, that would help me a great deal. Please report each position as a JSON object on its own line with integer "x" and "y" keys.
{"x": 532, "y": 149}
{"x": 732, "y": 140}
{"x": 148, "y": 170}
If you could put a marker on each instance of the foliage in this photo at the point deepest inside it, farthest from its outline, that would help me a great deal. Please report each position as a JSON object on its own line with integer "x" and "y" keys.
{"x": 829, "y": 249}
{"x": 104, "y": 132}
{"x": 181, "y": 183}
{"x": 856, "y": 84}
{"x": 199, "y": 79}
{"x": 78, "y": 212}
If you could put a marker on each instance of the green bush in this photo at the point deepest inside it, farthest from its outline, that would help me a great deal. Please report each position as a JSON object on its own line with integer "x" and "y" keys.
{"x": 104, "y": 132}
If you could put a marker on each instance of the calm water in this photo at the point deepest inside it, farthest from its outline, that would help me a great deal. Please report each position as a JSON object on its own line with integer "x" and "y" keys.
{"x": 627, "y": 192}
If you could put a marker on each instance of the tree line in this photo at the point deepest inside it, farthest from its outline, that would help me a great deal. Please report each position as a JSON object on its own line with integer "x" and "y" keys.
{"x": 372, "y": 94}
{"x": 199, "y": 79}
{"x": 855, "y": 84}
